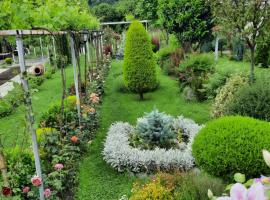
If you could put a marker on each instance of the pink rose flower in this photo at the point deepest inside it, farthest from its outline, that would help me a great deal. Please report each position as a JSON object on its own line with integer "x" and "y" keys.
{"x": 94, "y": 98}
{"x": 58, "y": 166}
{"x": 36, "y": 181}
{"x": 47, "y": 192}
{"x": 26, "y": 189}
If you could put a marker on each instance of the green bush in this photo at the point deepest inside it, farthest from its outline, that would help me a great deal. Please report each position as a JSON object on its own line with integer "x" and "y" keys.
{"x": 35, "y": 81}
{"x": 262, "y": 56}
{"x": 252, "y": 101}
{"x": 8, "y": 61}
{"x": 227, "y": 94}
{"x": 188, "y": 94}
{"x": 5, "y": 108}
{"x": 232, "y": 144}
{"x": 139, "y": 69}
{"x": 155, "y": 129}
{"x": 16, "y": 96}
{"x": 194, "y": 72}
{"x": 215, "y": 82}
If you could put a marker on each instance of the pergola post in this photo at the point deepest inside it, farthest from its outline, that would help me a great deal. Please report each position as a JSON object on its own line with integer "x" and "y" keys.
{"x": 41, "y": 48}
{"x": 30, "y": 115}
{"x": 54, "y": 50}
{"x": 75, "y": 72}
{"x": 216, "y": 49}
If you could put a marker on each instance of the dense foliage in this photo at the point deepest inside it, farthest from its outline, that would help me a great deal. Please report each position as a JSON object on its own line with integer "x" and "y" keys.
{"x": 232, "y": 144}
{"x": 139, "y": 67}
{"x": 252, "y": 101}
{"x": 226, "y": 95}
{"x": 194, "y": 72}
{"x": 191, "y": 21}
{"x": 176, "y": 186}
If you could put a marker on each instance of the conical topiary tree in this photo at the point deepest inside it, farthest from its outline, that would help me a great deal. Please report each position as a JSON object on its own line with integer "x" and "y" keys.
{"x": 139, "y": 68}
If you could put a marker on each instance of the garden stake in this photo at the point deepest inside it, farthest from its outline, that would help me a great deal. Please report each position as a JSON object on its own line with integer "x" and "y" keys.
{"x": 30, "y": 115}
{"x": 41, "y": 48}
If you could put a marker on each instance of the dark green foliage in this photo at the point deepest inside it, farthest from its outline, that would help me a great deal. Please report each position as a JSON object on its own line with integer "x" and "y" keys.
{"x": 194, "y": 72}
{"x": 16, "y": 96}
{"x": 147, "y": 9}
{"x": 155, "y": 129}
{"x": 253, "y": 101}
{"x": 215, "y": 82}
{"x": 139, "y": 68}
{"x": 232, "y": 144}
{"x": 5, "y": 108}
{"x": 190, "y": 20}
{"x": 107, "y": 13}
{"x": 263, "y": 52}
{"x": 35, "y": 81}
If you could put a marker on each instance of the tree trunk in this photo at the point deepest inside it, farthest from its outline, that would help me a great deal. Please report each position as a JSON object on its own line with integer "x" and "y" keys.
{"x": 252, "y": 65}
{"x": 141, "y": 96}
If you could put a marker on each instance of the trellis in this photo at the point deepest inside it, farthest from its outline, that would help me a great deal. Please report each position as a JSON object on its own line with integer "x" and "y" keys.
{"x": 94, "y": 36}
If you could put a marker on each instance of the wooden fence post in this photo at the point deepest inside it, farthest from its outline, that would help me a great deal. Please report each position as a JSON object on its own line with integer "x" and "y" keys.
{"x": 30, "y": 115}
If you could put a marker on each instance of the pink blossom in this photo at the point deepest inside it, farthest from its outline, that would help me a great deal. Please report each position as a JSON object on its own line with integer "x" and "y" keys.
{"x": 47, "y": 192}
{"x": 26, "y": 189}
{"x": 94, "y": 98}
{"x": 58, "y": 166}
{"x": 240, "y": 192}
{"x": 36, "y": 181}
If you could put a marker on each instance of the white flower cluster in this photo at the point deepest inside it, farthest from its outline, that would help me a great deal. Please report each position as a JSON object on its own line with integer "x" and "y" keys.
{"x": 122, "y": 156}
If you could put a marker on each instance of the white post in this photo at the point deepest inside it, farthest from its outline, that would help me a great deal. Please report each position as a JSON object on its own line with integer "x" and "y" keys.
{"x": 30, "y": 116}
{"x": 41, "y": 47}
{"x": 216, "y": 49}
{"x": 48, "y": 53}
{"x": 88, "y": 52}
{"x": 54, "y": 50}
{"x": 35, "y": 51}
{"x": 75, "y": 72}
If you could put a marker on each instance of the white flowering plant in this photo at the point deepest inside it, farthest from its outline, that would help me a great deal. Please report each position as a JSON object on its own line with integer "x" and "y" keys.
{"x": 122, "y": 156}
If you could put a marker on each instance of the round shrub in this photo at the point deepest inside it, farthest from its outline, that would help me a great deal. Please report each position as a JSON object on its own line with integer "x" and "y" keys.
{"x": 139, "y": 69}
{"x": 227, "y": 94}
{"x": 252, "y": 101}
{"x": 232, "y": 144}
{"x": 8, "y": 61}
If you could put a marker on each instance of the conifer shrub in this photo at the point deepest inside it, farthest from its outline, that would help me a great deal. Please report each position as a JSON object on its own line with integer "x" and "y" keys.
{"x": 232, "y": 144}
{"x": 139, "y": 69}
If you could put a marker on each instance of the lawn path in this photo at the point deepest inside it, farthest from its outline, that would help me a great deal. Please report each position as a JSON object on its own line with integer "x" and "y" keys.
{"x": 12, "y": 126}
{"x": 97, "y": 180}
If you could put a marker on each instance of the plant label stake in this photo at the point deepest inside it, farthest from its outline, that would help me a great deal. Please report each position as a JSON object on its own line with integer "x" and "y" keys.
{"x": 75, "y": 72}
{"x": 30, "y": 115}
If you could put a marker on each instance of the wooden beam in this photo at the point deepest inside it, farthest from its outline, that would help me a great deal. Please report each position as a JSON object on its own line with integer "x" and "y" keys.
{"x": 116, "y": 23}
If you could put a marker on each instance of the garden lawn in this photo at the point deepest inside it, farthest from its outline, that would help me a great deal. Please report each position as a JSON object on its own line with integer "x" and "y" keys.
{"x": 12, "y": 127}
{"x": 97, "y": 180}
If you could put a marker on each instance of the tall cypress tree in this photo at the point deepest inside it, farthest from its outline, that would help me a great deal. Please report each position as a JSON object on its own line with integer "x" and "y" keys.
{"x": 139, "y": 67}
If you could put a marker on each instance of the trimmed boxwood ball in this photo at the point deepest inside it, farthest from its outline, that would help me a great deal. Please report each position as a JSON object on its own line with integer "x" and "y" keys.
{"x": 139, "y": 69}
{"x": 232, "y": 144}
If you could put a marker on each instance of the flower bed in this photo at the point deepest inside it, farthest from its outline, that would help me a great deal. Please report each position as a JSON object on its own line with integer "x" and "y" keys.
{"x": 122, "y": 156}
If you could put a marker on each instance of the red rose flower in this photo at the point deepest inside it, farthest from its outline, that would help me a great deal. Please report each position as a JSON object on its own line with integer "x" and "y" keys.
{"x": 6, "y": 191}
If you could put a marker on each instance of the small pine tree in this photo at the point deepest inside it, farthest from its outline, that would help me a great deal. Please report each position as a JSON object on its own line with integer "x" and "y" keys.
{"x": 139, "y": 67}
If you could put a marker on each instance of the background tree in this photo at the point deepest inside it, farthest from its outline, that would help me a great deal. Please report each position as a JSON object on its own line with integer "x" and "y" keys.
{"x": 245, "y": 17}
{"x": 147, "y": 9}
{"x": 190, "y": 20}
{"x": 139, "y": 68}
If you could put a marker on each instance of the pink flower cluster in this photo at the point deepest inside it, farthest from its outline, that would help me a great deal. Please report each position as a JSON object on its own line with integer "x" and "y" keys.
{"x": 58, "y": 166}
{"x": 240, "y": 192}
{"x": 47, "y": 193}
{"x": 36, "y": 181}
{"x": 94, "y": 98}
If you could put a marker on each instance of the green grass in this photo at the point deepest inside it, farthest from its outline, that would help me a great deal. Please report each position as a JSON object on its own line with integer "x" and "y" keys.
{"x": 97, "y": 179}
{"x": 12, "y": 127}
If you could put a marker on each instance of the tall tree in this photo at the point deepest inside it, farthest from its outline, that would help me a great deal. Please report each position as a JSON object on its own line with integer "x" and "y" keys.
{"x": 147, "y": 9}
{"x": 245, "y": 17}
{"x": 190, "y": 20}
{"x": 139, "y": 69}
